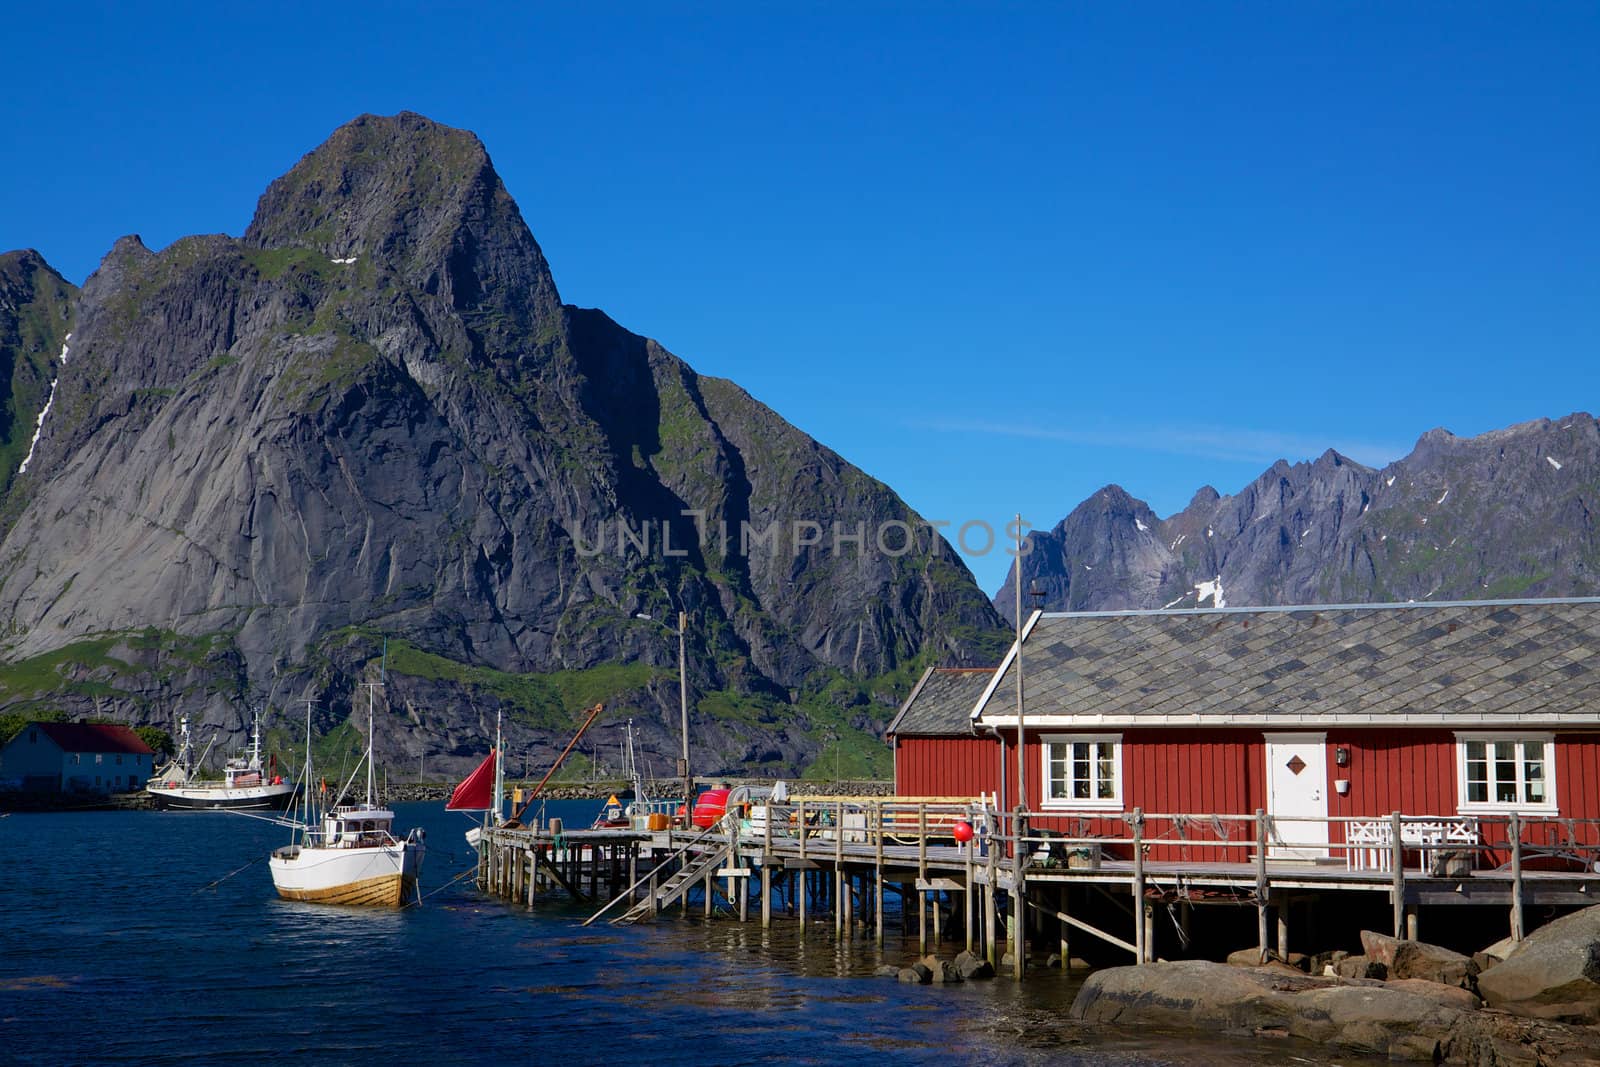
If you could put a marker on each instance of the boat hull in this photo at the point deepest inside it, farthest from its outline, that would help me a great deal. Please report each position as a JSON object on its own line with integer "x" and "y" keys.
{"x": 379, "y": 876}
{"x": 384, "y": 891}
{"x": 221, "y": 798}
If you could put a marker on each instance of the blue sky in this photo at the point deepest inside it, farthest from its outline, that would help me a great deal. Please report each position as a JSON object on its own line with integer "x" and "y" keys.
{"x": 998, "y": 256}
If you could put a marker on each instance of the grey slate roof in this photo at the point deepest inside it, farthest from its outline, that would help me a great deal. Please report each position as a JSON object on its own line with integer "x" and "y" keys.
{"x": 940, "y": 705}
{"x": 1365, "y": 663}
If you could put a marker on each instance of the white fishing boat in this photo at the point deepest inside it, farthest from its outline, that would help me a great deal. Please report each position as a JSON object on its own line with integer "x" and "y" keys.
{"x": 245, "y": 785}
{"x": 349, "y": 853}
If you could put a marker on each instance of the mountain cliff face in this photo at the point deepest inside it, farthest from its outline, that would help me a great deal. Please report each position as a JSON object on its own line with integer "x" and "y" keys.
{"x": 371, "y": 420}
{"x": 1509, "y": 513}
{"x": 35, "y": 318}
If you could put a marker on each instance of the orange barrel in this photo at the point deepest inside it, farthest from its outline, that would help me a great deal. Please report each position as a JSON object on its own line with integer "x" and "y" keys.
{"x": 659, "y": 821}
{"x": 710, "y": 807}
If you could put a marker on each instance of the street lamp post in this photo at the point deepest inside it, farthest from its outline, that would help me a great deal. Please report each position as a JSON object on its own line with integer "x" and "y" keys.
{"x": 1022, "y": 774}
{"x": 683, "y": 710}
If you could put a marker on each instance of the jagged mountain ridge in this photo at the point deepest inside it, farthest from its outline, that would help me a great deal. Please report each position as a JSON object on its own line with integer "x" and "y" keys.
{"x": 371, "y": 417}
{"x": 1507, "y": 513}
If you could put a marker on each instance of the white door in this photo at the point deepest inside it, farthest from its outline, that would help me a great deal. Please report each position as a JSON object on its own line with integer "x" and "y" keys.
{"x": 1297, "y": 795}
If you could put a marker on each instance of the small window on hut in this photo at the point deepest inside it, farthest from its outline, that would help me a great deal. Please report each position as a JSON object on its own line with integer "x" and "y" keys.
{"x": 1506, "y": 772}
{"x": 1082, "y": 771}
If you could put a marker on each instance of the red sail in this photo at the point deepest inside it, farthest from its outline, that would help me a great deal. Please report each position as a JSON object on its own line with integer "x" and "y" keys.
{"x": 477, "y": 792}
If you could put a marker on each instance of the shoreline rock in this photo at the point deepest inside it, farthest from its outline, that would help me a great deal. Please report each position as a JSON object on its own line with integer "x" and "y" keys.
{"x": 1553, "y": 974}
{"x": 1411, "y": 1019}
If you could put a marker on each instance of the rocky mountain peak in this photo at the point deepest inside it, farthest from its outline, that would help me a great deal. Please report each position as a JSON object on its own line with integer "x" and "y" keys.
{"x": 1114, "y": 498}
{"x": 128, "y": 254}
{"x": 1104, "y": 538}
{"x": 1330, "y": 459}
{"x": 417, "y": 199}
{"x": 1434, "y": 443}
{"x": 370, "y": 423}
{"x": 21, "y": 261}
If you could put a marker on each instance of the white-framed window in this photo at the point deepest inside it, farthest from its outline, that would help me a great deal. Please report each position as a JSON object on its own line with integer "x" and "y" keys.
{"x": 1082, "y": 771}
{"x": 1506, "y": 772}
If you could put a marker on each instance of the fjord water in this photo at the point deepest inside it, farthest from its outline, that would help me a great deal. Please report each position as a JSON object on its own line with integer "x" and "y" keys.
{"x": 156, "y": 938}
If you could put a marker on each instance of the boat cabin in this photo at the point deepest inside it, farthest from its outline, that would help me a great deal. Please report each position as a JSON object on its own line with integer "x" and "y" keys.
{"x": 239, "y": 774}
{"x": 357, "y": 826}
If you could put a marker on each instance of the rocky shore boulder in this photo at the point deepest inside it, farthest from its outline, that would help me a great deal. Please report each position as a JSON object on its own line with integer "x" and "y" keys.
{"x": 1185, "y": 994}
{"x": 971, "y": 966}
{"x": 1450, "y": 996}
{"x": 1410, "y": 1019}
{"x": 1417, "y": 959}
{"x": 1553, "y": 974}
{"x": 1360, "y": 967}
{"x": 916, "y": 974}
{"x": 1386, "y": 1019}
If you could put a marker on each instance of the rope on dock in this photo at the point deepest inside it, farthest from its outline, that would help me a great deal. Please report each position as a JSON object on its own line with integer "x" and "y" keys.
{"x": 468, "y": 873}
{"x": 225, "y": 877}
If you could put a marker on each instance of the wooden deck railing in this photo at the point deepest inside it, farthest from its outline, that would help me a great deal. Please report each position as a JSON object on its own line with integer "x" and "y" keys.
{"x": 1067, "y": 838}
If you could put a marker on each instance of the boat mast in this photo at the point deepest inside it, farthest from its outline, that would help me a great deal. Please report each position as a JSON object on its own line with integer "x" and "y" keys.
{"x": 383, "y": 673}
{"x": 371, "y": 699}
{"x": 255, "y": 743}
{"x": 499, "y": 771}
{"x": 305, "y": 777}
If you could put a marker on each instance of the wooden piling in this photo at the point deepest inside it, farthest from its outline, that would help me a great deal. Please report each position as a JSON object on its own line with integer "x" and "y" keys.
{"x": 1140, "y": 926}
{"x": 1398, "y": 888}
{"x": 1261, "y": 885}
{"x": 838, "y": 868}
{"x": 877, "y": 910}
{"x": 1283, "y": 924}
{"x": 991, "y": 905}
{"x": 1514, "y": 831}
{"x": 1066, "y": 947}
{"x": 1019, "y": 934}
{"x": 967, "y": 903}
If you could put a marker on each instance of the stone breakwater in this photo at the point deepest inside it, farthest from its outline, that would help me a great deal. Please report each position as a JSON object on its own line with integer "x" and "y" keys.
{"x": 1523, "y": 1004}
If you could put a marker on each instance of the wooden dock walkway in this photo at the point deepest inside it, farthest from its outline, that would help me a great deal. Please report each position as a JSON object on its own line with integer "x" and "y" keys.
{"x": 841, "y": 860}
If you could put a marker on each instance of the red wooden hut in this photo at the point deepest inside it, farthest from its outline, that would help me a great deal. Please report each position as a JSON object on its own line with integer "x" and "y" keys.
{"x": 1329, "y": 719}
{"x": 932, "y": 735}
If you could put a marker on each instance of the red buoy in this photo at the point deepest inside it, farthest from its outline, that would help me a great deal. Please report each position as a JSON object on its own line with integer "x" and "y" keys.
{"x": 711, "y": 806}
{"x": 962, "y": 831}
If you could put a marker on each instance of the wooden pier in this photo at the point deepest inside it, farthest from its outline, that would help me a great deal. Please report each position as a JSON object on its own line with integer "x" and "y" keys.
{"x": 840, "y": 861}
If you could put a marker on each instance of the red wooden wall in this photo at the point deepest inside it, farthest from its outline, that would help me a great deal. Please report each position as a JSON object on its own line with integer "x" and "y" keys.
{"x": 1411, "y": 771}
{"x": 945, "y": 766}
